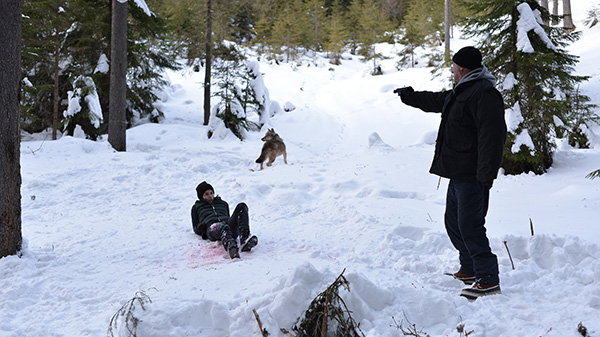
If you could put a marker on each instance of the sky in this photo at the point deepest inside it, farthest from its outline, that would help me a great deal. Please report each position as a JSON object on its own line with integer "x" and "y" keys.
{"x": 103, "y": 229}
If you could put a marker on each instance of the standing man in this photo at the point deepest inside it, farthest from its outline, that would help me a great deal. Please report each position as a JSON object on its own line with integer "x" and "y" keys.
{"x": 468, "y": 151}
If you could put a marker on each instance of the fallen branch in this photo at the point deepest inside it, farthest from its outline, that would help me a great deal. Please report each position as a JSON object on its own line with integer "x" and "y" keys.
{"x": 325, "y": 309}
{"x": 411, "y": 330}
{"x": 126, "y": 313}
{"x": 287, "y": 332}
{"x": 39, "y": 148}
{"x": 263, "y": 332}
{"x": 328, "y": 311}
{"x": 593, "y": 175}
{"x": 531, "y": 225}
{"x": 510, "y": 257}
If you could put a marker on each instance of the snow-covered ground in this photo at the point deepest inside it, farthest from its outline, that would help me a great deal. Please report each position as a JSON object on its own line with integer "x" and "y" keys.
{"x": 102, "y": 226}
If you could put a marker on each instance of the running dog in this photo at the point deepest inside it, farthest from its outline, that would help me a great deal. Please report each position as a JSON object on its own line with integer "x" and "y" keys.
{"x": 272, "y": 148}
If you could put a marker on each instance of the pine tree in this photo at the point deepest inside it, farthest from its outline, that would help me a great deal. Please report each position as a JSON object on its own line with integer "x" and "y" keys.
{"x": 535, "y": 72}
{"x": 46, "y": 29}
{"x": 337, "y": 35}
{"x": 253, "y": 96}
{"x": 262, "y": 31}
{"x": 423, "y": 25}
{"x": 146, "y": 59}
{"x": 267, "y": 15}
{"x": 316, "y": 19}
{"x": 415, "y": 32}
{"x": 223, "y": 12}
{"x": 227, "y": 74}
{"x": 84, "y": 44}
{"x": 352, "y": 25}
{"x": 186, "y": 20}
{"x": 83, "y": 109}
{"x": 284, "y": 38}
{"x": 243, "y": 22}
{"x": 373, "y": 24}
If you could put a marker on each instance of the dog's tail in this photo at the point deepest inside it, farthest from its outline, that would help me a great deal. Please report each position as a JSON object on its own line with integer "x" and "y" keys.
{"x": 263, "y": 155}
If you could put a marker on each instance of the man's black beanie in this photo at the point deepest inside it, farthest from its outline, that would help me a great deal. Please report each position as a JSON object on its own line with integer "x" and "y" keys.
{"x": 202, "y": 187}
{"x": 468, "y": 57}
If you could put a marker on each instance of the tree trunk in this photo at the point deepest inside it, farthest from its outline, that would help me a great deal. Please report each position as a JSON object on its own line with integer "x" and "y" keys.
{"x": 544, "y": 4}
{"x": 117, "y": 121}
{"x": 447, "y": 31}
{"x": 10, "y": 170}
{"x": 208, "y": 62}
{"x": 56, "y": 96}
{"x": 555, "y": 12}
{"x": 568, "y": 20}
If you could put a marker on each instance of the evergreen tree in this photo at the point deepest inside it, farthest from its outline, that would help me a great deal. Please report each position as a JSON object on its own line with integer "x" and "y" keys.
{"x": 284, "y": 37}
{"x": 227, "y": 74}
{"x": 315, "y": 14}
{"x": 423, "y": 26}
{"x": 415, "y": 32}
{"x": 267, "y": 14}
{"x": 186, "y": 20}
{"x": 148, "y": 54}
{"x": 343, "y": 5}
{"x": 395, "y": 10}
{"x": 223, "y": 12}
{"x": 243, "y": 21}
{"x": 373, "y": 24}
{"x": 83, "y": 112}
{"x": 84, "y": 44}
{"x": 263, "y": 31}
{"x": 46, "y": 28}
{"x": 253, "y": 96}
{"x": 535, "y": 71}
{"x": 352, "y": 25}
{"x": 337, "y": 35}
{"x": 579, "y": 115}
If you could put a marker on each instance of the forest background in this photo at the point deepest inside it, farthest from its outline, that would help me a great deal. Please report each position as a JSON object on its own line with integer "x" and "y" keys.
{"x": 67, "y": 45}
{"x": 66, "y": 53}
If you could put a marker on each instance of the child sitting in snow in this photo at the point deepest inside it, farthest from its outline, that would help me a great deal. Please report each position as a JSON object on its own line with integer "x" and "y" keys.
{"x": 211, "y": 220}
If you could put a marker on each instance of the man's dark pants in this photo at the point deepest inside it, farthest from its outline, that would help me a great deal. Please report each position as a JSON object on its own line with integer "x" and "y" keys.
{"x": 466, "y": 208}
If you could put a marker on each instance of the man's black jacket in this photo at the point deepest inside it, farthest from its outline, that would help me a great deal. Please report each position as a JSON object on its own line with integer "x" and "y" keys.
{"x": 472, "y": 132}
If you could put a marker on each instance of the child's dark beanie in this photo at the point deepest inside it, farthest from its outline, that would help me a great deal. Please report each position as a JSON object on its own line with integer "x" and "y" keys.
{"x": 202, "y": 187}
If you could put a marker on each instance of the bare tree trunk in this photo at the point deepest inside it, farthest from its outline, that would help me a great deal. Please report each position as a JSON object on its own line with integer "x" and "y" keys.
{"x": 10, "y": 171}
{"x": 447, "y": 31}
{"x": 117, "y": 120}
{"x": 544, "y": 4}
{"x": 56, "y": 91}
{"x": 568, "y": 20}
{"x": 555, "y": 12}
{"x": 208, "y": 62}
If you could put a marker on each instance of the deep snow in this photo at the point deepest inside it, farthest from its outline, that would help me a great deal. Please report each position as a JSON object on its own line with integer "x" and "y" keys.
{"x": 356, "y": 194}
